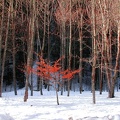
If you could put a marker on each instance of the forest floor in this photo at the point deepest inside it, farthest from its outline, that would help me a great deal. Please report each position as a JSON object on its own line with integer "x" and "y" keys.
{"x": 44, "y": 107}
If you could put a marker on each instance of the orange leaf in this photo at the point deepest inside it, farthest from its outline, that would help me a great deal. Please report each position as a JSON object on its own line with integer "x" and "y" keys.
{"x": 65, "y": 72}
{"x": 68, "y": 76}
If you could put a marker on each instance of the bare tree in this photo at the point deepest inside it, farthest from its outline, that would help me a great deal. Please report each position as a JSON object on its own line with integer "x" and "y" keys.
{"x": 5, "y": 49}
{"x": 115, "y": 10}
{"x": 70, "y": 42}
{"x": 94, "y": 50}
{"x": 13, "y": 16}
{"x": 30, "y": 45}
{"x": 1, "y": 31}
{"x": 61, "y": 15}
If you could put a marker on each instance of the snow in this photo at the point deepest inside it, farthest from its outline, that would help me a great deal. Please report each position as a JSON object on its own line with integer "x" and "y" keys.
{"x": 44, "y": 107}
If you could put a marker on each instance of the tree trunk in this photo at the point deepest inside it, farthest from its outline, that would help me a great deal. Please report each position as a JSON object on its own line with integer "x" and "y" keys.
{"x": 106, "y": 46}
{"x": 101, "y": 78}
{"x": 43, "y": 43}
{"x": 48, "y": 30}
{"x": 63, "y": 52}
{"x": 41, "y": 84}
{"x": 101, "y": 68}
{"x": 116, "y": 69}
{"x": 1, "y": 28}
{"x": 70, "y": 42}
{"x": 80, "y": 42}
{"x": 57, "y": 96}
{"x": 94, "y": 50}
{"x": 4, "y": 53}
{"x": 30, "y": 46}
{"x": 13, "y": 15}
{"x": 38, "y": 44}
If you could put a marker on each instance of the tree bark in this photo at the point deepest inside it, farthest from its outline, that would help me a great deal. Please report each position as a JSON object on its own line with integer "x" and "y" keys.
{"x": 80, "y": 42}
{"x": 70, "y": 42}
{"x": 106, "y": 47}
{"x": 94, "y": 50}
{"x": 30, "y": 46}
{"x": 13, "y": 15}
{"x": 4, "y": 53}
{"x": 1, "y": 28}
{"x": 116, "y": 69}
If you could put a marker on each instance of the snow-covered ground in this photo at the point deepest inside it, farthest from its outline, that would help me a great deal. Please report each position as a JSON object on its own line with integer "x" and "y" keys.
{"x": 75, "y": 107}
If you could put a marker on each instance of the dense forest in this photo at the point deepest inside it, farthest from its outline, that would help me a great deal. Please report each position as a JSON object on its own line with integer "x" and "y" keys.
{"x": 82, "y": 35}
